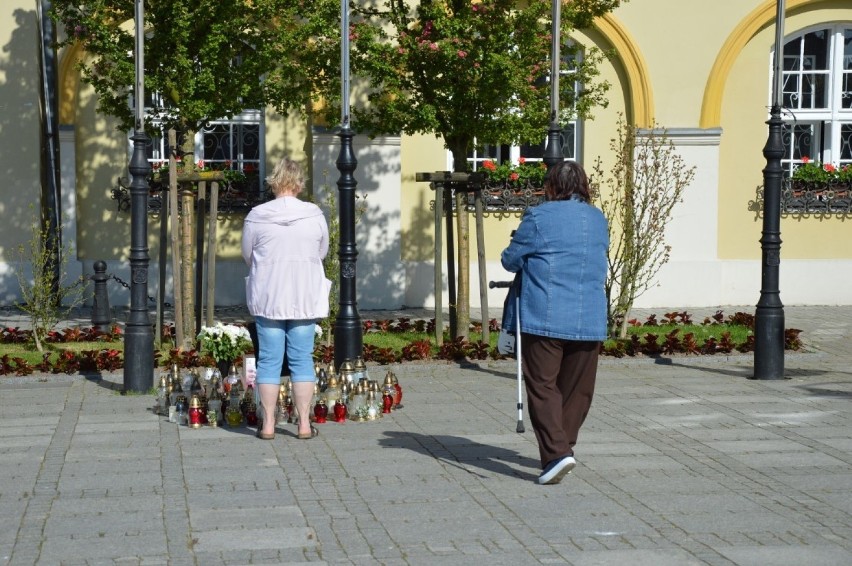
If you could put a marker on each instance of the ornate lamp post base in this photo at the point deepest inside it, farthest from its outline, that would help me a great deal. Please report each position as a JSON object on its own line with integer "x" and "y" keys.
{"x": 769, "y": 315}
{"x": 348, "y": 334}
{"x": 139, "y": 334}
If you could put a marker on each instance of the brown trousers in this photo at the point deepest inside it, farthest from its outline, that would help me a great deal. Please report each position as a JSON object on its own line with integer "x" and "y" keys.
{"x": 560, "y": 382}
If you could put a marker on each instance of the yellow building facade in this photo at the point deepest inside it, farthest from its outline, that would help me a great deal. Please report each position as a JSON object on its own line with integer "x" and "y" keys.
{"x": 700, "y": 70}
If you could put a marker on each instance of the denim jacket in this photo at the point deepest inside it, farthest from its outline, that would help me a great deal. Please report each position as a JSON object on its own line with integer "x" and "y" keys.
{"x": 560, "y": 251}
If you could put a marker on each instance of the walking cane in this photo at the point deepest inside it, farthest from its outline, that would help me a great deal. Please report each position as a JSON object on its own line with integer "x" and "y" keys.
{"x": 503, "y": 285}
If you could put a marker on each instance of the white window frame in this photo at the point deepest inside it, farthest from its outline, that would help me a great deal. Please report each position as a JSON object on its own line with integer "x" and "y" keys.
{"x": 826, "y": 124}
{"x": 158, "y": 152}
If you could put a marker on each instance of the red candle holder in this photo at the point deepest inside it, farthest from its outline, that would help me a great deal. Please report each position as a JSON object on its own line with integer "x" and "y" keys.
{"x": 397, "y": 400}
{"x": 387, "y": 403}
{"x": 339, "y": 412}
{"x": 196, "y": 413}
{"x": 320, "y": 412}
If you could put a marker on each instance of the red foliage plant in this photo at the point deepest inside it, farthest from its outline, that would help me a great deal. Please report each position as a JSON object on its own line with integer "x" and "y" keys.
{"x": 417, "y": 350}
{"x": 15, "y": 336}
{"x": 478, "y": 350}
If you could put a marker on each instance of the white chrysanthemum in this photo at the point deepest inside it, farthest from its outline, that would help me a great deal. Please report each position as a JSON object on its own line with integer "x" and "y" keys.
{"x": 225, "y": 341}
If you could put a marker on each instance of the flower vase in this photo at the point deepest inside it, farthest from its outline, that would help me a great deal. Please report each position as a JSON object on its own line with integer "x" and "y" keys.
{"x": 224, "y": 367}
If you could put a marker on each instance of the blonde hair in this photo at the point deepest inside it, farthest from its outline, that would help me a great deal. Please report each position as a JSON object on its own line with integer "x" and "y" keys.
{"x": 286, "y": 178}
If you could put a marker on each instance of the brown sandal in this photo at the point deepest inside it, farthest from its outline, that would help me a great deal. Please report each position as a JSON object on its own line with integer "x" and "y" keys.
{"x": 308, "y": 435}
{"x": 264, "y": 435}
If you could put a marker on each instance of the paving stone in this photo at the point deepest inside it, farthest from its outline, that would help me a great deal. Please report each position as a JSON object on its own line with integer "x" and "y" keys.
{"x": 681, "y": 461}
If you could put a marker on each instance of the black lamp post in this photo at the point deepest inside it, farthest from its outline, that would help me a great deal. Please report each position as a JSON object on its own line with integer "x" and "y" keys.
{"x": 769, "y": 315}
{"x": 553, "y": 151}
{"x": 348, "y": 337}
{"x": 138, "y": 335}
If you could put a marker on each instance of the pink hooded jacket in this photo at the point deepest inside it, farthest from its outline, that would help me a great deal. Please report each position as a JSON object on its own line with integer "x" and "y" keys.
{"x": 284, "y": 243}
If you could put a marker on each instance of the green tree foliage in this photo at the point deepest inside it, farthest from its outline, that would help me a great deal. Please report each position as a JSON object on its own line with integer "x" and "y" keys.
{"x": 637, "y": 195}
{"x": 208, "y": 59}
{"x": 469, "y": 71}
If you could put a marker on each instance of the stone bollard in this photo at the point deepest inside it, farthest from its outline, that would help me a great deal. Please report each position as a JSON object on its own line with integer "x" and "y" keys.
{"x": 101, "y": 315}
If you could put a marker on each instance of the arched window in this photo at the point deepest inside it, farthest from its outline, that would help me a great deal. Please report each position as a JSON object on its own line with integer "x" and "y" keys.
{"x": 817, "y": 96}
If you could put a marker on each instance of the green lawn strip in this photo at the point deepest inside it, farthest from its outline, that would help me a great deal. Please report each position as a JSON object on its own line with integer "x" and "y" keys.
{"x": 396, "y": 341}
{"x": 701, "y": 332}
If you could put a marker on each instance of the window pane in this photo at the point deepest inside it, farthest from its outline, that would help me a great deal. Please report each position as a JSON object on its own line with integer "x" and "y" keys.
{"x": 806, "y": 71}
{"x": 790, "y": 90}
{"x": 800, "y": 141}
{"x": 533, "y": 151}
{"x": 816, "y": 50}
{"x": 845, "y": 144}
{"x": 569, "y": 141}
{"x": 567, "y": 138}
{"x": 792, "y": 55}
{"x": 155, "y": 149}
{"x": 814, "y": 91}
{"x": 487, "y": 152}
{"x": 218, "y": 143}
{"x": 232, "y": 144}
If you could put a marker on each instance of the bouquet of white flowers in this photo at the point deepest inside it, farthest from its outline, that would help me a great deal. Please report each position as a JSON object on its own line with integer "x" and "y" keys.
{"x": 225, "y": 342}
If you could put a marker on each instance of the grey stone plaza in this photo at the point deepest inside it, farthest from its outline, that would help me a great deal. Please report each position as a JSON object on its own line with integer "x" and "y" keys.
{"x": 682, "y": 461}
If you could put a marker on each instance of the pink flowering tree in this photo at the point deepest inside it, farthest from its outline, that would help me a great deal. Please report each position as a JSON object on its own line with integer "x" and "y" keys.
{"x": 468, "y": 71}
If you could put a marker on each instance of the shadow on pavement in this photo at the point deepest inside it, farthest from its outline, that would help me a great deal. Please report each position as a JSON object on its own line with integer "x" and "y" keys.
{"x": 475, "y": 366}
{"x": 829, "y": 390}
{"x": 464, "y": 453}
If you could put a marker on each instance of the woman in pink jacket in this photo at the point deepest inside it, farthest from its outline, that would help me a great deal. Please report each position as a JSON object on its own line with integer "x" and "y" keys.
{"x": 284, "y": 243}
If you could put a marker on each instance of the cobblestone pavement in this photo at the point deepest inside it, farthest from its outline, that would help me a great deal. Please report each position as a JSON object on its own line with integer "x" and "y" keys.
{"x": 682, "y": 461}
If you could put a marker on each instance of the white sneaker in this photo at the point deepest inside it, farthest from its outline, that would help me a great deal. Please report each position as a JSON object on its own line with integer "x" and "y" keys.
{"x": 556, "y": 470}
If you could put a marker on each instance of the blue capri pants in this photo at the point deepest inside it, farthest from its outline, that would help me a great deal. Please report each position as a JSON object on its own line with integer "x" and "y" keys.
{"x": 274, "y": 336}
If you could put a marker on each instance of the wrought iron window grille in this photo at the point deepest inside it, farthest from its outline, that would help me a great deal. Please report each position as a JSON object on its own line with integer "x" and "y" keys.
{"x": 499, "y": 198}
{"x": 801, "y": 200}
{"x": 235, "y": 197}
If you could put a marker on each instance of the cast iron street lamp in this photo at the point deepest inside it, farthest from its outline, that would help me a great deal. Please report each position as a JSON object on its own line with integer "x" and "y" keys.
{"x": 769, "y": 316}
{"x": 138, "y": 335}
{"x": 348, "y": 338}
{"x": 553, "y": 152}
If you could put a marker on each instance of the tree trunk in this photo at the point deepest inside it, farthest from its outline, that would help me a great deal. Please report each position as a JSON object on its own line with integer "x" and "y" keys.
{"x": 187, "y": 265}
{"x": 187, "y": 272}
{"x": 174, "y": 241}
{"x": 459, "y": 151}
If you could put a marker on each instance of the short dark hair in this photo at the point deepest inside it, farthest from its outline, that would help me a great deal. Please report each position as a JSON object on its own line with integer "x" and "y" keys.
{"x": 566, "y": 179}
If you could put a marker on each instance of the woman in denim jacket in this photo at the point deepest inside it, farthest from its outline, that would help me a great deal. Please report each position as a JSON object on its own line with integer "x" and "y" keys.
{"x": 560, "y": 252}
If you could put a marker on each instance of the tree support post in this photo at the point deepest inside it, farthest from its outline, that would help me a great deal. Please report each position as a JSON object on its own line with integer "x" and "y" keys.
{"x": 443, "y": 183}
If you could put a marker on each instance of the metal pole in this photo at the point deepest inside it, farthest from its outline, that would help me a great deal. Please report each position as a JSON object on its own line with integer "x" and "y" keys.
{"x": 769, "y": 316}
{"x": 439, "y": 282}
{"x": 139, "y": 335}
{"x": 553, "y": 152}
{"x": 51, "y": 197}
{"x": 348, "y": 334}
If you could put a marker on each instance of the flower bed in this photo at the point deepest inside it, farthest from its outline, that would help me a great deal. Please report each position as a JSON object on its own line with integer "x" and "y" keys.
{"x": 673, "y": 334}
